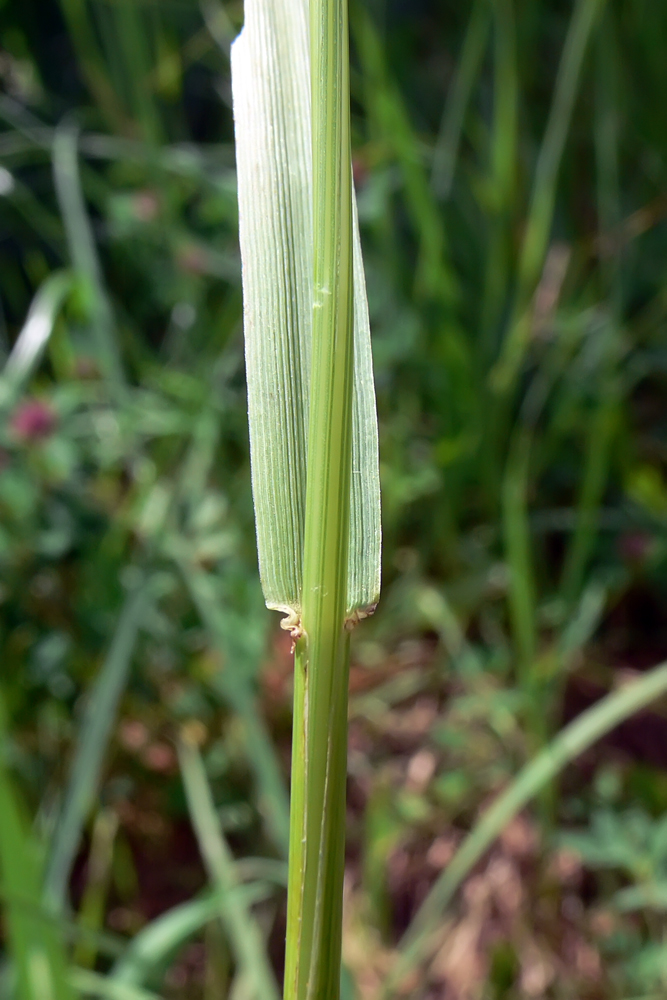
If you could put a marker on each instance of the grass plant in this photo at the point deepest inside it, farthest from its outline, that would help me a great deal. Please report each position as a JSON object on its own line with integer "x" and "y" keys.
{"x": 509, "y": 161}
{"x": 319, "y": 554}
{"x": 319, "y": 756}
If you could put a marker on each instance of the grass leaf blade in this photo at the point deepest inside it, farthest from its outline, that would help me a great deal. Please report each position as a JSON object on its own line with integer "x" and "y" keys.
{"x": 34, "y": 335}
{"x": 82, "y": 249}
{"x": 244, "y": 934}
{"x": 91, "y": 747}
{"x": 271, "y": 86}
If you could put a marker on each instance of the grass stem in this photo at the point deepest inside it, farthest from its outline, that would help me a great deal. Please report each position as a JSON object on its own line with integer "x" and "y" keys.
{"x": 322, "y": 655}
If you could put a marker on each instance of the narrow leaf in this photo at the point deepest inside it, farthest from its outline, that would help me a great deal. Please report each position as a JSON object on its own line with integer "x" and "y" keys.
{"x": 271, "y": 88}
{"x": 153, "y": 945}
{"x": 93, "y": 984}
{"x": 34, "y": 336}
{"x": 92, "y": 745}
{"x": 242, "y": 929}
{"x": 82, "y": 248}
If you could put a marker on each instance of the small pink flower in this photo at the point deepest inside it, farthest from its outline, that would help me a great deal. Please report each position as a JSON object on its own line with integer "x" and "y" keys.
{"x": 145, "y": 206}
{"x": 192, "y": 259}
{"x": 33, "y": 420}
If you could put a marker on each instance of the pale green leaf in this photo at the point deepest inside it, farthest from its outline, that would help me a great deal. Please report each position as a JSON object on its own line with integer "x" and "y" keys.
{"x": 34, "y": 336}
{"x": 164, "y": 935}
{"x": 271, "y": 88}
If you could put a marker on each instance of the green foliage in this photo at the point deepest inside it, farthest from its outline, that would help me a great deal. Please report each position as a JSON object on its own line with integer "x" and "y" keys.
{"x": 631, "y": 846}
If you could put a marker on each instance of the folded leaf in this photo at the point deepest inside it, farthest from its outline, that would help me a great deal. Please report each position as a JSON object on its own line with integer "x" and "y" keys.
{"x": 271, "y": 90}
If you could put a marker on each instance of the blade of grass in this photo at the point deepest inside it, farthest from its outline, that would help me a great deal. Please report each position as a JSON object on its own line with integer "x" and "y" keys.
{"x": 92, "y": 63}
{"x": 41, "y": 219}
{"x": 82, "y": 249}
{"x": 436, "y": 282}
{"x": 505, "y": 137}
{"x": 602, "y": 432}
{"x": 131, "y": 36}
{"x": 202, "y": 164}
{"x": 578, "y": 736}
{"x": 239, "y": 647}
{"x": 604, "y": 423}
{"x": 518, "y": 543}
{"x": 35, "y": 945}
{"x": 235, "y": 686}
{"x": 501, "y": 199}
{"x": 106, "y": 943}
{"x": 91, "y": 746}
{"x": 543, "y": 195}
{"x": 502, "y": 181}
{"x": 239, "y": 924}
{"x": 435, "y": 279}
{"x": 218, "y": 24}
{"x": 445, "y": 154}
{"x": 98, "y": 877}
{"x": 31, "y": 342}
{"x": 93, "y": 984}
{"x": 218, "y": 981}
{"x": 518, "y": 551}
{"x": 153, "y": 945}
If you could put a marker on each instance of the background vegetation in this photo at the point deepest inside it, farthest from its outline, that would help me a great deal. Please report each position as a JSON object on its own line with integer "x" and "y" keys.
{"x": 511, "y": 168}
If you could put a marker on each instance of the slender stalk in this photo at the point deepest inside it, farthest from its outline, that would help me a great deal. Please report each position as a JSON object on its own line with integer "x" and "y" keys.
{"x": 244, "y": 932}
{"x": 92, "y": 744}
{"x": 518, "y": 549}
{"x": 543, "y": 196}
{"x": 322, "y": 655}
{"x": 446, "y": 152}
{"x": 605, "y": 417}
{"x": 503, "y": 177}
{"x": 83, "y": 250}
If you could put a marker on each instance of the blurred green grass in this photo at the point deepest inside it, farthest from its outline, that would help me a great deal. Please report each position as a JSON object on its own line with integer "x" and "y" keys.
{"x": 510, "y": 161}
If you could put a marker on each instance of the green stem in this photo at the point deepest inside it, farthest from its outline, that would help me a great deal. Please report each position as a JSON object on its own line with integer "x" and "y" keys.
{"x": 322, "y": 661}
